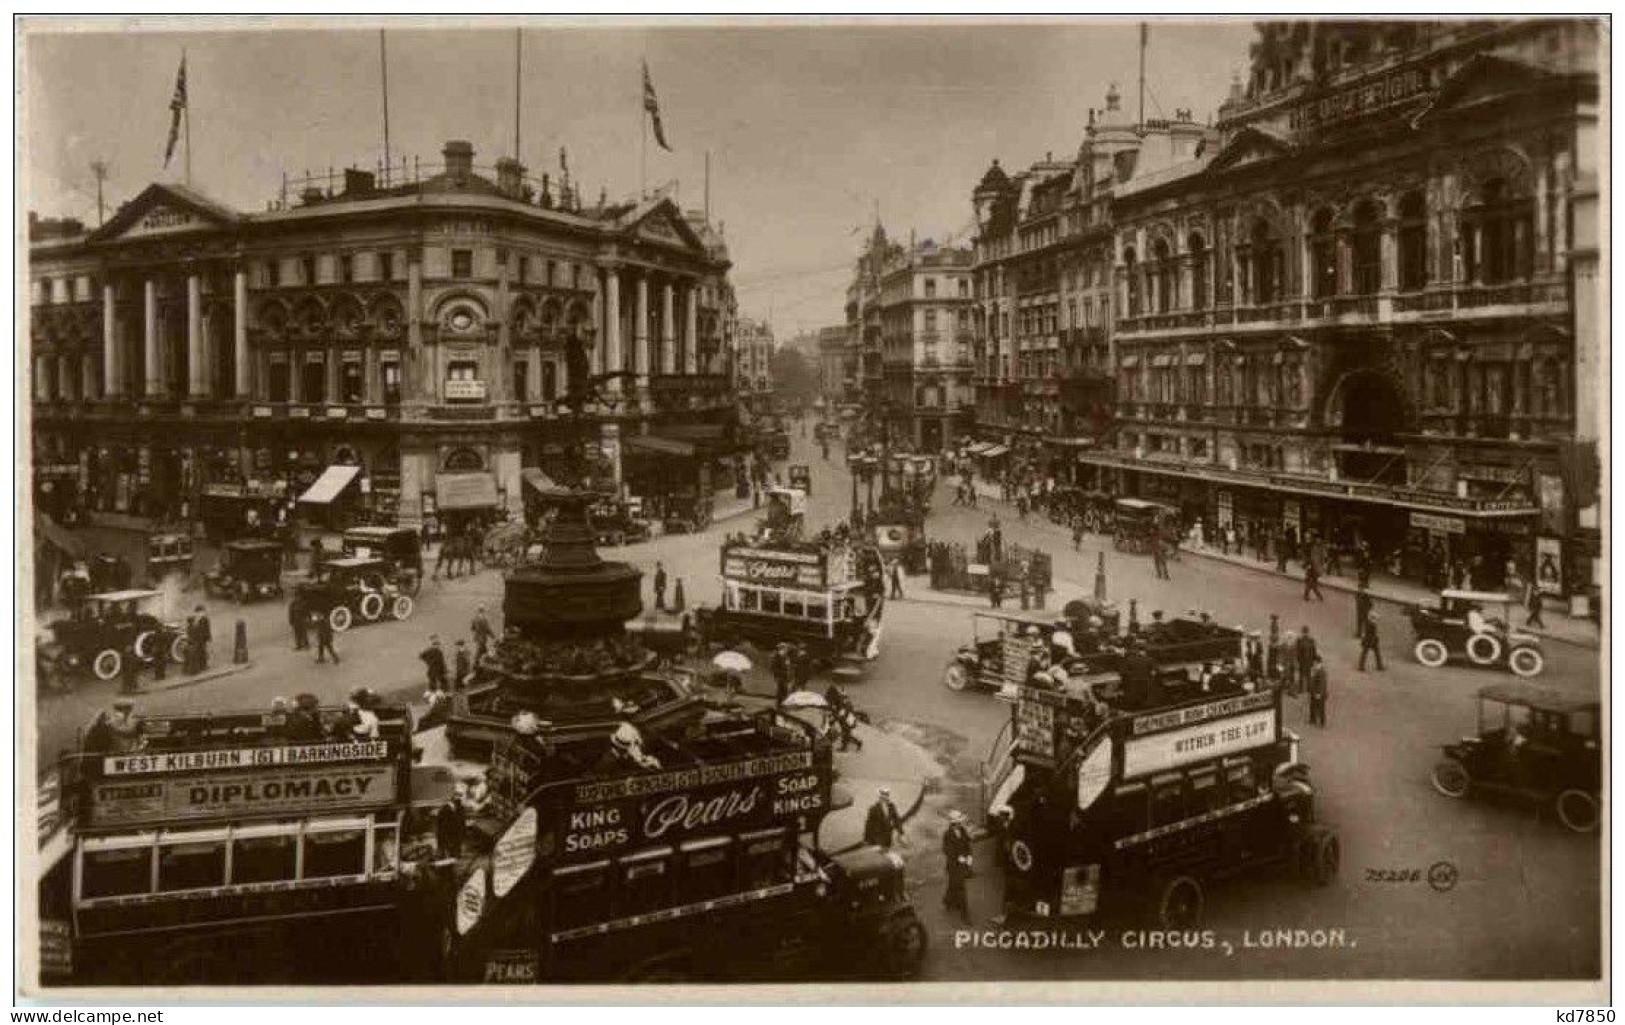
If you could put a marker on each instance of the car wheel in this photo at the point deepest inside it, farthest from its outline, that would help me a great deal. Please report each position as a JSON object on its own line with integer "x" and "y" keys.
{"x": 1179, "y": 903}
{"x": 177, "y": 649}
{"x": 1526, "y": 662}
{"x": 107, "y": 664}
{"x": 956, "y": 676}
{"x": 372, "y": 606}
{"x": 402, "y": 607}
{"x": 1431, "y": 652}
{"x": 1484, "y": 649}
{"x": 145, "y": 642}
{"x": 339, "y": 618}
{"x": 1451, "y": 778}
{"x": 1577, "y": 810}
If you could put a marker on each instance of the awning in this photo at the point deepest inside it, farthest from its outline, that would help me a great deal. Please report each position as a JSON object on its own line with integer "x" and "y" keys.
{"x": 978, "y": 448}
{"x": 56, "y": 535}
{"x": 1164, "y": 360}
{"x": 654, "y": 444}
{"x": 333, "y": 480}
{"x": 995, "y": 452}
{"x": 465, "y": 490}
{"x": 541, "y": 482}
{"x": 1195, "y": 359}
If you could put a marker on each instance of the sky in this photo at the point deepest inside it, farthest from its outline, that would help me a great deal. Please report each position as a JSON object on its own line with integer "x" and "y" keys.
{"x": 811, "y": 128}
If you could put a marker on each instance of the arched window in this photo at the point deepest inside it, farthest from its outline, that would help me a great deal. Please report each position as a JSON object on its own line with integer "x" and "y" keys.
{"x": 1413, "y": 242}
{"x": 1264, "y": 263}
{"x": 1367, "y": 248}
{"x": 1322, "y": 255}
{"x": 1502, "y": 226}
{"x": 1131, "y": 269}
{"x": 463, "y": 460}
{"x": 1163, "y": 276}
{"x": 1199, "y": 271}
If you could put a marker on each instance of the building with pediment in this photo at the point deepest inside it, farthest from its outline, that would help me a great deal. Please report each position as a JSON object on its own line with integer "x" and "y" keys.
{"x": 408, "y": 344}
{"x": 1370, "y": 311}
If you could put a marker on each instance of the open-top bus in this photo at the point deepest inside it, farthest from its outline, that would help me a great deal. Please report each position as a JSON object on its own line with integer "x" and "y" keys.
{"x": 828, "y": 597}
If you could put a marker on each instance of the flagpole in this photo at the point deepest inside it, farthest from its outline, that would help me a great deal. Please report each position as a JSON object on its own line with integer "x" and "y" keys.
{"x": 643, "y": 147}
{"x": 383, "y": 67}
{"x": 186, "y": 115}
{"x": 518, "y": 90}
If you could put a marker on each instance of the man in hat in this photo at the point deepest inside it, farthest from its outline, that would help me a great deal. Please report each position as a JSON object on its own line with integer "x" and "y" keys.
{"x": 956, "y": 855}
{"x": 660, "y": 586}
{"x": 299, "y": 620}
{"x": 198, "y": 639}
{"x": 324, "y": 638}
{"x": 127, "y": 728}
{"x": 1362, "y": 610}
{"x": 1307, "y": 652}
{"x": 1317, "y": 692}
{"x": 1311, "y": 579}
{"x": 462, "y": 666}
{"x": 883, "y": 824}
{"x": 1370, "y": 641}
{"x": 483, "y": 634}
{"x": 434, "y": 663}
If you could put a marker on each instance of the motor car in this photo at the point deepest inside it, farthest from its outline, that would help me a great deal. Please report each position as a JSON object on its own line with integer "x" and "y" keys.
{"x": 402, "y": 546}
{"x": 1137, "y": 523}
{"x": 799, "y": 476}
{"x": 114, "y": 626}
{"x": 347, "y": 589}
{"x": 1534, "y": 744}
{"x": 686, "y": 513}
{"x": 248, "y": 569}
{"x": 617, "y": 522}
{"x": 1458, "y": 627}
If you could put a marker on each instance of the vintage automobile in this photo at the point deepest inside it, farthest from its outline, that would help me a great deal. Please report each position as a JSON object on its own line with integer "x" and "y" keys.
{"x": 799, "y": 476}
{"x": 114, "y": 626}
{"x": 775, "y": 441}
{"x": 618, "y": 521}
{"x": 1534, "y": 744}
{"x": 1137, "y": 523}
{"x": 686, "y": 513}
{"x": 347, "y": 588}
{"x": 1459, "y": 627}
{"x": 168, "y": 555}
{"x": 402, "y": 546}
{"x": 248, "y": 569}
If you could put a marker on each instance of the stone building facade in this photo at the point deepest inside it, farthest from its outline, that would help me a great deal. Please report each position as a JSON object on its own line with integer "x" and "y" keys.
{"x": 925, "y": 338}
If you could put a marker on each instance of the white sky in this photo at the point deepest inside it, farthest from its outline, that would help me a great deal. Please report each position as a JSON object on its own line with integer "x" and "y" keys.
{"x": 809, "y": 126}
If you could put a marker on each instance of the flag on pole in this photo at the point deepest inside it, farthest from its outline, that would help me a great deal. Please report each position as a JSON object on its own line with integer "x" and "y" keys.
{"x": 651, "y": 103}
{"x": 177, "y": 104}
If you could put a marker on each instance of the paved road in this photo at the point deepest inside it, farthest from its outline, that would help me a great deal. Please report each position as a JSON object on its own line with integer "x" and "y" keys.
{"x": 1524, "y": 903}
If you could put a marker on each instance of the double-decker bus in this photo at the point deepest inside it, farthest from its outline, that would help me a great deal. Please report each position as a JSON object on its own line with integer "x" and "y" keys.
{"x": 218, "y": 849}
{"x": 704, "y": 866}
{"x": 1105, "y": 808}
{"x": 828, "y": 597}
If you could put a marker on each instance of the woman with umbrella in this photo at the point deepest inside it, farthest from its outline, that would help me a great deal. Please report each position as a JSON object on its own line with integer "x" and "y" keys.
{"x": 731, "y": 667}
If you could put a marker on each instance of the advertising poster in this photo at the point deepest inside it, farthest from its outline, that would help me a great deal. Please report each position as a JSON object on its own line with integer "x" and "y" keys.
{"x": 1549, "y": 565}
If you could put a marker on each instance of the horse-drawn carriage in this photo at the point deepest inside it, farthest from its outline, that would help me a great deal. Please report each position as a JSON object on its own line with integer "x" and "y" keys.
{"x": 1138, "y": 525}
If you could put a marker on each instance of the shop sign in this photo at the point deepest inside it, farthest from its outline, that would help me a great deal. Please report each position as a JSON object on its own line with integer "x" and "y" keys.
{"x": 1549, "y": 565}
{"x": 1035, "y": 725}
{"x": 1365, "y": 98}
{"x": 243, "y": 758}
{"x": 1201, "y": 713}
{"x": 1080, "y": 889}
{"x": 465, "y": 390}
{"x": 1550, "y": 486}
{"x": 512, "y": 966}
{"x": 1145, "y": 755}
{"x": 1438, "y": 524}
{"x": 767, "y": 567}
{"x": 235, "y": 795}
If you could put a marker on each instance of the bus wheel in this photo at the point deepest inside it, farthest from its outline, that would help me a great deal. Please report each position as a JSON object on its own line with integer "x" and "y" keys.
{"x": 905, "y": 948}
{"x": 1179, "y": 902}
{"x": 1451, "y": 778}
{"x": 1323, "y": 855}
{"x": 1577, "y": 810}
{"x": 955, "y": 677}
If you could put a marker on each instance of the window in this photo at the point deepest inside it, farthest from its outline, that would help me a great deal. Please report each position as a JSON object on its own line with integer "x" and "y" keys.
{"x": 1413, "y": 242}
{"x": 580, "y": 894}
{"x": 930, "y": 320}
{"x": 346, "y": 268}
{"x": 1501, "y": 228}
{"x": 386, "y": 849}
{"x": 391, "y": 371}
{"x": 386, "y": 266}
{"x": 351, "y": 382}
{"x": 44, "y": 291}
{"x": 192, "y": 861}
{"x": 307, "y": 270}
{"x": 1238, "y": 778}
{"x": 1132, "y": 277}
{"x": 313, "y": 379}
{"x": 707, "y": 868}
{"x": 1166, "y": 289}
{"x": 964, "y": 289}
{"x": 1199, "y": 271}
{"x": 262, "y": 854}
{"x": 521, "y": 381}
{"x": 1264, "y": 264}
{"x": 765, "y": 858}
{"x": 1167, "y": 798}
{"x": 930, "y": 288}
{"x": 116, "y": 866}
{"x": 334, "y": 850}
{"x": 645, "y": 881}
{"x": 524, "y": 269}
{"x": 550, "y": 380}
{"x": 277, "y": 386}
{"x": 462, "y": 263}
{"x": 1322, "y": 255}
{"x": 273, "y": 273}
{"x": 964, "y": 320}
{"x": 463, "y": 381}
{"x": 1367, "y": 248}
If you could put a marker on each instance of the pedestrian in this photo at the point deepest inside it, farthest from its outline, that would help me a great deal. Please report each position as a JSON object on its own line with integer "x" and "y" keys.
{"x": 1362, "y": 610}
{"x": 956, "y": 855}
{"x": 1291, "y": 679}
{"x": 883, "y": 826}
{"x": 779, "y": 664}
{"x": 1077, "y": 533}
{"x": 1317, "y": 692}
{"x": 1311, "y": 580}
{"x": 443, "y": 560}
{"x": 897, "y": 578}
{"x": 1280, "y": 551}
{"x": 130, "y": 674}
{"x": 1307, "y": 651}
{"x": 800, "y": 666}
{"x": 434, "y": 663}
{"x": 324, "y": 638}
{"x": 1159, "y": 558}
{"x": 202, "y": 636}
{"x": 660, "y": 586}
{"x": 843, "y": 716}
{"x": 1534, "y": 605}
{"x": 299, "y": 621}
{"x": 480, "y": 628}
{"x": 462, "y": 666}
{"x": 1369, "y": 642}
{"x": 995, "y": 589}
{"x": 318, "y": 555}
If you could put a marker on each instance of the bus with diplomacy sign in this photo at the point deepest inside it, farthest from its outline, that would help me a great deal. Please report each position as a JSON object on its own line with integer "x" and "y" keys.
{"x": 235, "y": 848}
{"x": 827, "y": 596}
{"x": 1105, "y": 804}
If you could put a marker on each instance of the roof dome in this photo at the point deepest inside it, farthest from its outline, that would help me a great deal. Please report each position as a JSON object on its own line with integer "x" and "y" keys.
{"x": 995, "y": 179}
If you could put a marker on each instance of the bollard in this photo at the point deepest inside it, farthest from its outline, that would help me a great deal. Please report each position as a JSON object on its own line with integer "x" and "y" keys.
{"x": 678, "y": 602}
{"x": 239, "y": 647}
{"x": 1100, "y": 578}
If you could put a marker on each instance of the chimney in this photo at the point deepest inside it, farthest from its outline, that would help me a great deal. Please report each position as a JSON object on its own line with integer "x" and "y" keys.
{"x": 510, "y": 176}
{"x": 459, "y": 156}
{"x": 358, "y": 182}
{"x": 547, "y": 192}
{"x": 311, "y": 194}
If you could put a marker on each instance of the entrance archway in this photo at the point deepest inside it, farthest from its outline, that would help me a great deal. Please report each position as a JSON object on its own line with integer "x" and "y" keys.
{"x": 1368, "y": 410}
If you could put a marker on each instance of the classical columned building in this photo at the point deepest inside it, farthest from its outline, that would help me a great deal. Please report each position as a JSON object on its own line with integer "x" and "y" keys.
{"x": 1358, "y": 316}
{"x": 410, "y": 343}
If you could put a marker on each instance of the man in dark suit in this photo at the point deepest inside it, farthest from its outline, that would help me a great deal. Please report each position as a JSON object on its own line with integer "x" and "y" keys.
{"x": 883, "y": 825}
{"x": 1370, "y": 642}
{"x": 1362, "y": 609}
{"x": 956, "y": 855}
{"x": 1307, "y": 652}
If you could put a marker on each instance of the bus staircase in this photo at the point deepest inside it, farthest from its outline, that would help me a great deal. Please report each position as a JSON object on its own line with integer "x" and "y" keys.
{"x": 1000, "y": 767}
